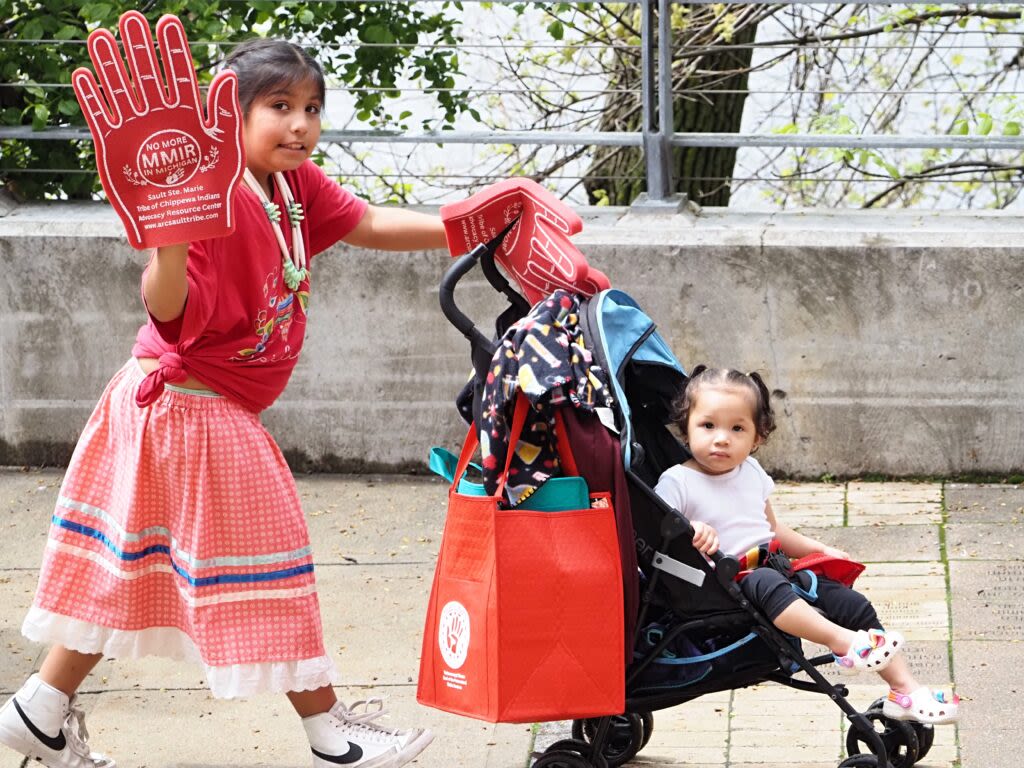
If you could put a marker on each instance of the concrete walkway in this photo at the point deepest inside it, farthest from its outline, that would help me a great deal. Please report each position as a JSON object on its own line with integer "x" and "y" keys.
{"x": 946, "y": 566}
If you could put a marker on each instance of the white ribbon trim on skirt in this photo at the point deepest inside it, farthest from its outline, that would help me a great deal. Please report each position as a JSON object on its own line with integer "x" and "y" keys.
{"x": 227, "y": 682}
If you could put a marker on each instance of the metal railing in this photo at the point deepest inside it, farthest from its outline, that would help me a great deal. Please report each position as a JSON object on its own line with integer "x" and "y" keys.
{"x": 656, "y": 136}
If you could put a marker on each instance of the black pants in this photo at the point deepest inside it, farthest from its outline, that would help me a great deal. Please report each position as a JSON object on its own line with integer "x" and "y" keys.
{"x": 772, "y": 592}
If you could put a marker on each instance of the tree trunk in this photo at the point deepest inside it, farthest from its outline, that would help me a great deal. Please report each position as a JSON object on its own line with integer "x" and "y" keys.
{"x": 702, "y": 173}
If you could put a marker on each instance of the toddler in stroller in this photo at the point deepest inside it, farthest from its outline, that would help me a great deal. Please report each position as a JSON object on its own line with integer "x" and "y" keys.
{"x": 693, "y": 626}
{"x": 722, "y": 490}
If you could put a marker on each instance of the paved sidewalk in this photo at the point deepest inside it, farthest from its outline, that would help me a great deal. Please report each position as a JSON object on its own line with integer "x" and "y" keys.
{"x": 946, "y": 566}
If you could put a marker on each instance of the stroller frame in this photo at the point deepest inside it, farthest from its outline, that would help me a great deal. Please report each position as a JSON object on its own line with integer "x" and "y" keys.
{"x": 609, "y": 741}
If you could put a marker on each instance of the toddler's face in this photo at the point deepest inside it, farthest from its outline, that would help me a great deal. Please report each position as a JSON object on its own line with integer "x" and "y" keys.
{"x": 721, "y": 430}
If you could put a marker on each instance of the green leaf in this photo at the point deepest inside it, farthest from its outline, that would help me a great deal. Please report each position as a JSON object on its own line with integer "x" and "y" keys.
{"x": 67, "y": 32}
{"x": 1012, "y": 128}
{"x": 40, "y": 115}
{"x": 556, "y": 29}
{"x": 984, "y": 124}
{"x": 97, "y": 12}
{"x": 960, "y": 128}
{"x": 376, "y": 33}
{"x": 891, "y": 169}
{"x": 33, "y": 30}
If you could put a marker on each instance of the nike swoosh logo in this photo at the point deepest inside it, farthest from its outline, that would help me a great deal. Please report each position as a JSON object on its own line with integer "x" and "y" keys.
{"x": 354, "y": 754}
{"x": 56, "y": 743}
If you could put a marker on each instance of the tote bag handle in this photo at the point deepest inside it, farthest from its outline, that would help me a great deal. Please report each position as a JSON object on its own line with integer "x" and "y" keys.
{"x": 472, "y": 441}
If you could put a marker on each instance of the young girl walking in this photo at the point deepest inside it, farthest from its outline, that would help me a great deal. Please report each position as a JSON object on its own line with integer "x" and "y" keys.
{"x": 178, "y": 529}
{"x": 724, "y": 493}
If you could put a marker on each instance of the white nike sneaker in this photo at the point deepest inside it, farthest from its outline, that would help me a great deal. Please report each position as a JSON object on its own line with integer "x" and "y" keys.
{"x": 346, "y": 736}
{"x": 38, "y": 710}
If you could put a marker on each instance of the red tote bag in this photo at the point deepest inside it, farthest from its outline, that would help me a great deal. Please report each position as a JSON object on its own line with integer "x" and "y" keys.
{"x": 525, "y": 619}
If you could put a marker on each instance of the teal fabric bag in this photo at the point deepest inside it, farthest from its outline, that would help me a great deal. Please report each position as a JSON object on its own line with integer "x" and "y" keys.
{"x": 444, "y": 463}
{"x": 559, "y": 494}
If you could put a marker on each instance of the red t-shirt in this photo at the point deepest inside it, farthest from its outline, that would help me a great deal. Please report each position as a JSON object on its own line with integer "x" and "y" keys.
{"x": 242, "y": 328}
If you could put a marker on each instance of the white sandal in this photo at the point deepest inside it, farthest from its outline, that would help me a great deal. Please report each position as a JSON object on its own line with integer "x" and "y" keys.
{"x": 872, "y": 650}
{"x": 923, "y": 706}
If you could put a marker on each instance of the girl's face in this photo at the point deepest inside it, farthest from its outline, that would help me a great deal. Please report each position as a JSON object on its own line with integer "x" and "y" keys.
{"x": 282, "y": 128}
{"x": 721, "y": 430}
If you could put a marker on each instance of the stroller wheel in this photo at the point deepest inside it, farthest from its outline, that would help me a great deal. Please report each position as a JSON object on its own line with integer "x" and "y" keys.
{"x": 569, "y": 753}
{"x": 925, "y": 733}
{"x": 647, "y": 719}
{"x": 899, "y": 738}
{"x": 860, "y": 761}
{"x": 925, "y": 738}
{"x": 561, "y": 759}
{"x": 625, "y": 738}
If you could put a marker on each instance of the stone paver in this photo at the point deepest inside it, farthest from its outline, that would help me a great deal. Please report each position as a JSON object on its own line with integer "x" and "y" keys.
{"x": 893, "y": 503}
{"x": 264, "y": 731}
{"x": 19, "y": 656}
{"x": 894, "y": 514}
{"x": 819, "y": 492}
{"x": 26, "y": 503}
{"x": 809, "y": 515}
{"x": 985, "y": 541}
{"x": 893, "y": 492}
{"x": 877, "y": 544}
{"x": 988, "y": 601}
{"x": 376, "y": 539}
{"x": 990, "y": 733}
{"x": 984, "y": 503}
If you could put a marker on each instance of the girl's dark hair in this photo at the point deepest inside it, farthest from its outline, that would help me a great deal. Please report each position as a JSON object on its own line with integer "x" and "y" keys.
{"x": 702, "y": 376}
{"x": 264, "y": 65}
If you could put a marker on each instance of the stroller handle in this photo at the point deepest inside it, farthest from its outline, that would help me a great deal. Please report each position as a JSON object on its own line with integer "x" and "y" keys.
{"x": 483, "y": 253}
{"x": 495, "y": 278}
{"x": 455, "y": 316}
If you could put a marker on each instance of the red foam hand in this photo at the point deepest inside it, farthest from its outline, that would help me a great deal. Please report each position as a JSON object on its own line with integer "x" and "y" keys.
{"x": 537, "y": 253}
{"x": 168, "y": 169}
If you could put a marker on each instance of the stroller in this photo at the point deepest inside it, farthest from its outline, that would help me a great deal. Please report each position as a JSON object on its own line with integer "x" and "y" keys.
{"x": 691, "y": 629}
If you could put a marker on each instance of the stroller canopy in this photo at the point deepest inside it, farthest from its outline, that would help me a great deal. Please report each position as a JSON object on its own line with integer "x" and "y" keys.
{"x": 643, "y": 371}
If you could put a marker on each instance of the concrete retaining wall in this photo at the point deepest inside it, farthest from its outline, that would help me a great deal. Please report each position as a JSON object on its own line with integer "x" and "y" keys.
{"x": 895, "y": 340}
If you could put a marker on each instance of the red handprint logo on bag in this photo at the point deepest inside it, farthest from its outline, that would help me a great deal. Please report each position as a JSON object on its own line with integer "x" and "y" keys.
{"x": 168, "y": 169}
{"x": 453, "y": 634}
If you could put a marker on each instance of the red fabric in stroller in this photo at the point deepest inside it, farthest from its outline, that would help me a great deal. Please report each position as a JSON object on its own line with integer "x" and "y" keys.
{"x": 596, "y": 457}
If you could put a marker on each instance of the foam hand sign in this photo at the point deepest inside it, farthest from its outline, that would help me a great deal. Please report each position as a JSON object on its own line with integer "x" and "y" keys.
{"x": 168, "y": 170}
{"x": 537, "y": 253}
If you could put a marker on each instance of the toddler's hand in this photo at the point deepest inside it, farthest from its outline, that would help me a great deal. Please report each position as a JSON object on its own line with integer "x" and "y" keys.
{"x": 705, "y": 538}
{"x": 833, "y": 552}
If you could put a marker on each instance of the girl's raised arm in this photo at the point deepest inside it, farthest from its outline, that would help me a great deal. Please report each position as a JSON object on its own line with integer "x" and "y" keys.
{"x": 164, "y": 286}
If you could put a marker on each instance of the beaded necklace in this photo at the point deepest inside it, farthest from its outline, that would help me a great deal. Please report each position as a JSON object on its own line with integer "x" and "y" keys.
{"x": 295, "y": 264}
